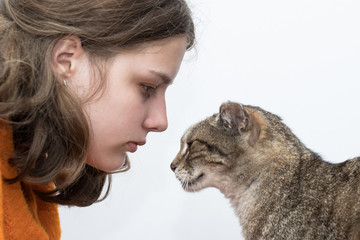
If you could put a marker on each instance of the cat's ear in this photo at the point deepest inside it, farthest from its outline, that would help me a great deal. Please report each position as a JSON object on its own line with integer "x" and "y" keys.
{"x": 233, "y": 117}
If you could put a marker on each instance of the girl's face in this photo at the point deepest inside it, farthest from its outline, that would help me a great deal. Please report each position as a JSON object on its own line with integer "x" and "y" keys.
{"x": 132, "y": 102}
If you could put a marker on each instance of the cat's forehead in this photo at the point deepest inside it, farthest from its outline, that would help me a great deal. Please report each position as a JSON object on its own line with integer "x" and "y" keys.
{"x": 203, "y": 128}
{"x": 189, "y": 133}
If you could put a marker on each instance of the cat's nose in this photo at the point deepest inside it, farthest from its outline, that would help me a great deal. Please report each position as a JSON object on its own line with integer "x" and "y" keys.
{"x": 173, "y": 167}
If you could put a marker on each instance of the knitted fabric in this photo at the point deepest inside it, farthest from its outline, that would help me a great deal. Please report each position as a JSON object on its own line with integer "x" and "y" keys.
{"x": 23, "y": 215}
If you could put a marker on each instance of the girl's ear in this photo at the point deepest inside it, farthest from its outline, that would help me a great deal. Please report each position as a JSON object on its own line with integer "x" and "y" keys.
{"x": 66, "y": 56}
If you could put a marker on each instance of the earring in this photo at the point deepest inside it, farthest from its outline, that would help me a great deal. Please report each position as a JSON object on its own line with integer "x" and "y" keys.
{"x": 65, "y": 83}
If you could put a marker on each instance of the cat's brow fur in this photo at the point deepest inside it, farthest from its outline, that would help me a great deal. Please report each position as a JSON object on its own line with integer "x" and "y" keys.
{"x": 279, "y": 188}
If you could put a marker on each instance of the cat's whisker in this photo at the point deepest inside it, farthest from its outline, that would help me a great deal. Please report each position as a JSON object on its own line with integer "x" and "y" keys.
{"x": 183, "y": 184}
{"x": 187, "y": 182}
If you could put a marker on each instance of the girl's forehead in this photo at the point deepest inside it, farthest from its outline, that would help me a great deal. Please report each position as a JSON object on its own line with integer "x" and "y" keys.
{"x": 156, "y": 45}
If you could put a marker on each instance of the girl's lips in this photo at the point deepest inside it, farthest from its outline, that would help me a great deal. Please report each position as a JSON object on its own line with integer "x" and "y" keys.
{"x": 132, "y": 146}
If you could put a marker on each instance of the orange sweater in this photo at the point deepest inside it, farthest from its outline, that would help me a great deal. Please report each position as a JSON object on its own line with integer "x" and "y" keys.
{"x": 22, "y": 218}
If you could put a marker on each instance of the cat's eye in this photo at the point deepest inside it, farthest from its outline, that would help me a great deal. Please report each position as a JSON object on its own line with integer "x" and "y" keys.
{"x": 211, "y": 148}
{"x": 214, "y": 149}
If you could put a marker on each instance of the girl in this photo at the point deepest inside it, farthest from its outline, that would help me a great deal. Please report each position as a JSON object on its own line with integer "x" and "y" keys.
{"x": 81, "y": 83}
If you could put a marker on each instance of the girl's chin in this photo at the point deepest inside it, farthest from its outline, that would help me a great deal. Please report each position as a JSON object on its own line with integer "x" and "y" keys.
{"x": 110, "y": 164}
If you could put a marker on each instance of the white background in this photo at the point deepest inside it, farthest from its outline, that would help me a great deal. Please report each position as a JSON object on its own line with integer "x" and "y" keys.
{"x": 298, "y": 59}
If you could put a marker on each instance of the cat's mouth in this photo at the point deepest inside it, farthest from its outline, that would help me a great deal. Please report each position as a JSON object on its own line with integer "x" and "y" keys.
{"x": 191, "y": 183}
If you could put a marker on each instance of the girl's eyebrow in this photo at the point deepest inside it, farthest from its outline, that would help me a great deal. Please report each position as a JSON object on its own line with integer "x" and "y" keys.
{"x": 165, "y": 78}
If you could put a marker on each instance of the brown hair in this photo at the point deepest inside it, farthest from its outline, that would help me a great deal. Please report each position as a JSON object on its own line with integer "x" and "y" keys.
{"x": 50, "y": 130}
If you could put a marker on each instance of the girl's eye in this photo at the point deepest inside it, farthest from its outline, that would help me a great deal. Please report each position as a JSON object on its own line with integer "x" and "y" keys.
{"x": 148, "y": 90}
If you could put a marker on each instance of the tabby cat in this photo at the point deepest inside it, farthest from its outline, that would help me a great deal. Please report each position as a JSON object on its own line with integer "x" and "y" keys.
{"x": 279, "y": 188}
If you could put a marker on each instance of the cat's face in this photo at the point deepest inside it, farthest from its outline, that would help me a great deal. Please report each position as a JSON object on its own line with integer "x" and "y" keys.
{"x": 217, "y": 149}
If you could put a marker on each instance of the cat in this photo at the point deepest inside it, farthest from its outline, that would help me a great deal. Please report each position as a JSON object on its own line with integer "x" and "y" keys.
{"x": 278, "y": 188}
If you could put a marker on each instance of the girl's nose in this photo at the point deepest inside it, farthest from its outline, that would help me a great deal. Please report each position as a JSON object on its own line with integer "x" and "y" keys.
{"x": 156, "y": 120}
